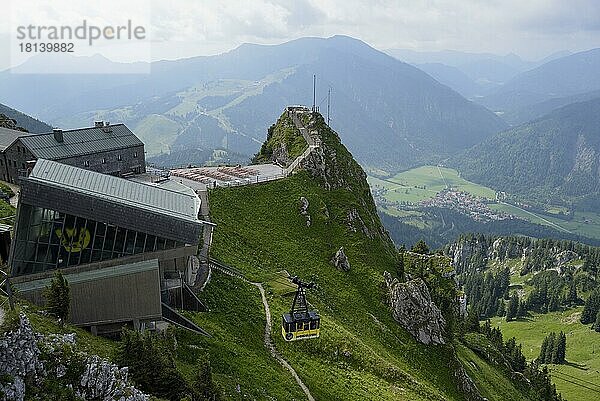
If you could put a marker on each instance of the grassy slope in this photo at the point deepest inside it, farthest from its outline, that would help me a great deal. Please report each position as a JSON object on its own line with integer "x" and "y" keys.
{"x": 238, "y": 356}
{"x": 274, "y": 236}
{"x": 362, "y": 352}
{"x": 583, "y": 347}
{"x": 491, "y": 382}
{"x": 385, "y": 362}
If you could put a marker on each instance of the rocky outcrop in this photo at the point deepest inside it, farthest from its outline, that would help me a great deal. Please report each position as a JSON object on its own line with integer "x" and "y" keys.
{"x": 564, "y": 257}
{"x": 20, "y": 358}
{"x": 464, "y": 382}
{"x": 340, "y": 260}
{"x": 281, "y": 155}
{"x": 304, "y": 210}
{"x": 356, "y": 223}
{"x": 28, "y": 358}
{"x": 102, "y": 380}
{"x": 413, "y": 308}
{"x": 473, "y": 254}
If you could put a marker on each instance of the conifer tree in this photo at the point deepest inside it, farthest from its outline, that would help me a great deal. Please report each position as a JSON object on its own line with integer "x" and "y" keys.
{"x": 521, "y": 309}
{"x": 472, "y": 322}
{"x": 553, "y": 304}
{"x": 420, "y": 247}
{"x": 501, "y": 308}
{"x": 572, "y": 297}
{"x": 561, "y": 348}
{"x": 513, "y": 307}
{"x": 544, "y": 348}
{"x": 597, "y": 323}
{"x": 550, "y": 347}
{"x": 591, "y": 307}
{"x": 58, "y": 297}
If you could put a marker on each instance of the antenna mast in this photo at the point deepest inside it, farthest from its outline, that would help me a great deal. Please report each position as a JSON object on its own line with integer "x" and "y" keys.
{"x": 328, "y": 105}
{"x": 314, "y": 108}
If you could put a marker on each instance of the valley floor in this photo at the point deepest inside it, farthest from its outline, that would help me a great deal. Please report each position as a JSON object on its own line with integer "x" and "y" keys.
{"x": 409, "y": 196}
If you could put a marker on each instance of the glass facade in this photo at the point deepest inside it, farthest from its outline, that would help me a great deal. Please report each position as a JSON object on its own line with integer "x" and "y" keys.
{"x": 47, "y": 240}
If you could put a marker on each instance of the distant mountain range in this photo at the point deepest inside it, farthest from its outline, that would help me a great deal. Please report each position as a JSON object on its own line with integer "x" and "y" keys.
{"x": 470, "y": 74}
{"x": 537, "y": 110}
{"x": 517, "y": 90}
{"x": 554, "y": 157}
{"x": 24, "y": 121}
{"x": 563, "y": 77}
{"x": 392, "y": 115}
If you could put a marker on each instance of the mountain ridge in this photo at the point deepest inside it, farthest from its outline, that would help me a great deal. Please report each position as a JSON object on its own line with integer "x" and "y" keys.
{"x": 392, "y": 114}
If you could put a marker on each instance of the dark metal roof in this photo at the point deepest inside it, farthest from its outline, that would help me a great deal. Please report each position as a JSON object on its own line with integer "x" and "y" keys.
{"x": 151, "y": 198}
{"x": 8, "y": 136}
{"x": 78, "y": 142}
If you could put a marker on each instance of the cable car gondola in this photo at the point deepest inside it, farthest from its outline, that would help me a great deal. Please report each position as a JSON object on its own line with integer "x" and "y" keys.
{"x": 300, "y": 323}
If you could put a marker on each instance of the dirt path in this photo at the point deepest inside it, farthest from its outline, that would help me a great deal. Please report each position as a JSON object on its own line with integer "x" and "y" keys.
{"x": 271, "y": 347}
{"x": 268, "y": 340}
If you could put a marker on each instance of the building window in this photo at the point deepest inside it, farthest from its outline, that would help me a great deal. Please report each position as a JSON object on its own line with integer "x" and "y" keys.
{"x": 86, "y": 163}
{"x": 119, "y": 158}
{"x": 134, "y": 154}
{"x": 14, "y": 163}
{"x": 48, "y": 240}
{"x": 104, "y": 160}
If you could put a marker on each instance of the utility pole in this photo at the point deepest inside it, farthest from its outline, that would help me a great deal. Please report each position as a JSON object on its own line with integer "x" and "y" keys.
{"x": 314, "y": 108}
{"x": 328, "y": 104}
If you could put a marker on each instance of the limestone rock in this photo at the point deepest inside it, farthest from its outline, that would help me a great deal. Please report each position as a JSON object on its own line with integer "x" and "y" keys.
{"x": 465, "y": 383}
{"x": 303, "y": 206}
{"x": 102, "y": 380}
{"x": 356, "y": 223}
{"x": 413, "y": 308}
{"x": 340, "y": 260}
{"x": 304, "y": 210}
{"x": 29, "y": 357}
{"x": 281, "y": 155}
{"x": 19, "y": 352}
{"x": 14, "y": 390}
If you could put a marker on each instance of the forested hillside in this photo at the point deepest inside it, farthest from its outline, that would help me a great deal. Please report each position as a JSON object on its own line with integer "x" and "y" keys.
{"x": 553, "y": 159}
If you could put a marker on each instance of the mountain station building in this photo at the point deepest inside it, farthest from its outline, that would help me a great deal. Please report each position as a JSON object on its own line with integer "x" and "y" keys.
{"x": 104, "y": 148}
{"x": 122, "y": 244}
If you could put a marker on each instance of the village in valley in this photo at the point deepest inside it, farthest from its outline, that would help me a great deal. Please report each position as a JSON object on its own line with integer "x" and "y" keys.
{"x": 426, "y": 187}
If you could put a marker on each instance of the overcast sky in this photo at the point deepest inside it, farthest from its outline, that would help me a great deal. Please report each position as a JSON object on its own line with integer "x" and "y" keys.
{"x": 184, "y": 28}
